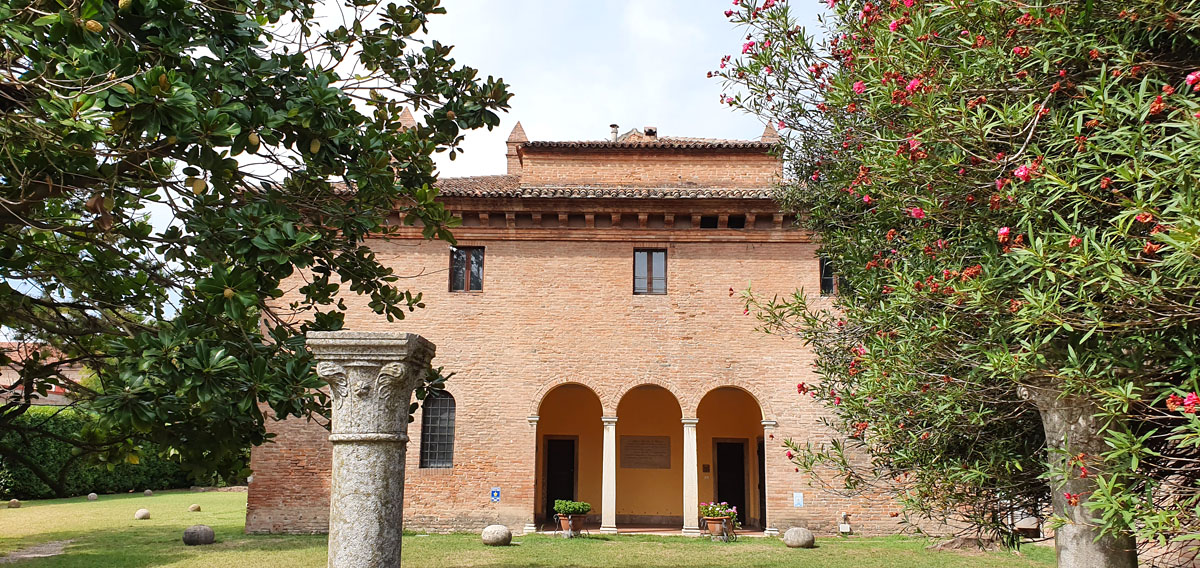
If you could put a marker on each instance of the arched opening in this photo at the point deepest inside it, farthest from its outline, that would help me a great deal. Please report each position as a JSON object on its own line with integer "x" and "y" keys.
{"x": 649, "y": 459}
{"x": 569, "y": 450}
{"x": 730, "y": 449}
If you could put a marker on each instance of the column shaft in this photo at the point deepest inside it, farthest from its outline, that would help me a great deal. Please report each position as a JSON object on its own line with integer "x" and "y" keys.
{"x": 608, "y": 499}
{"x": 691, "y": 481}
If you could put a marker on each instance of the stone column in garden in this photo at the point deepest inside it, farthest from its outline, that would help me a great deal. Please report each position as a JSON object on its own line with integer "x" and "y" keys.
{"x": 608, "y": 494}
{"x": 371, "y": 377}
{"x": 691, "y": 484}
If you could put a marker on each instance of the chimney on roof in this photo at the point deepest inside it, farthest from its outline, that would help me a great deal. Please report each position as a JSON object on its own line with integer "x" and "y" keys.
{"x": 515, "y": 140}
{"x": 614, "y": 128}
{"x": 651, "y": 132}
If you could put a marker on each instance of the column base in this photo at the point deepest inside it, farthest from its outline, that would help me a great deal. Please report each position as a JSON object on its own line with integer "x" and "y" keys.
{"x": 691, "y": 531}
{"x": 771, "y": 532}
{"x": 530, "y": 528}
{"x": 608, "y": 530}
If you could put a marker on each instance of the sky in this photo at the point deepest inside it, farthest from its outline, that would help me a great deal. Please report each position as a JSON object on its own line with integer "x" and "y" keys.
{"x": 577, "y": 66}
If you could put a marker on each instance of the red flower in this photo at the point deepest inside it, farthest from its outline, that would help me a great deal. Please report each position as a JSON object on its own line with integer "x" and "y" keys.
{"x": 1002, "y": 234}
{"x": 917, "y": 213}
{"x": 1174, "y": 402}
{"x": 1024, "y": 173}
{"x": 1072, "y": 499}
{"x": 1074, "y": 242}
{"x": 1145, "y": 217}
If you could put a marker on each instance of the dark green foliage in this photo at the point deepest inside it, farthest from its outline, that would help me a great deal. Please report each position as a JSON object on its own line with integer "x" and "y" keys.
{"x": 170, "y": 170}
{"x": 77, "y": 476}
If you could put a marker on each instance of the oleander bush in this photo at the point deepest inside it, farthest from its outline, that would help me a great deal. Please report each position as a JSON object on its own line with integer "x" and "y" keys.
{"x": 1010, "y": 194}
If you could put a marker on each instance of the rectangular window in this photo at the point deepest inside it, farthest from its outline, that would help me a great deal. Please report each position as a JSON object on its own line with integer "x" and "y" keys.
{"x": 466, "y": 269}
{"x": 828, "y": 280}
{"x": 650, "y": 271}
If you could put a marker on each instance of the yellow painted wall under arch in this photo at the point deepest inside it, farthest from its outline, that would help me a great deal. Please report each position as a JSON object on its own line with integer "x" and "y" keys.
{"x": 573, "y": 410}
{"x": 729, "y": 413}
{"x": 650, "y": 495}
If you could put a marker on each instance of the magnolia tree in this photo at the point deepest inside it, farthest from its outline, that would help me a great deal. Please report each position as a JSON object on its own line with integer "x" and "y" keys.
{"x": 1010, "y": 194}
{"x": 166, "y": 164}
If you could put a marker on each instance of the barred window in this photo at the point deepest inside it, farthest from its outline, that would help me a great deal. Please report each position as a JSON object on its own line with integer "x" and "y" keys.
{"x": 437, "y": 431}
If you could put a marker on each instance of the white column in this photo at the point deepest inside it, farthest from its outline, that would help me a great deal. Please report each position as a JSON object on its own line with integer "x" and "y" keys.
{"x": 608, "y": 497}
{"x": 768, "y": 432}
{"x": 531, "y": 526}
{"x": 691, "y": 481}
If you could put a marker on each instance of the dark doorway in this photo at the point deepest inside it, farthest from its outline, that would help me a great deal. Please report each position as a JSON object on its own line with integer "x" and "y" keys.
{"x": 731, "y": 475}
{"x": 560, "y": 472}
{"x": 762, "y": 485}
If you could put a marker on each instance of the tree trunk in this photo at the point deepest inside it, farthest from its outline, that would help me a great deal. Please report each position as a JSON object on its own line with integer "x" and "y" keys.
{"x": 1072, "y": 429}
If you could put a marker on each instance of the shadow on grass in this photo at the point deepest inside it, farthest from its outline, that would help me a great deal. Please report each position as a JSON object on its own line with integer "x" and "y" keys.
{"x": 158, "y": 546}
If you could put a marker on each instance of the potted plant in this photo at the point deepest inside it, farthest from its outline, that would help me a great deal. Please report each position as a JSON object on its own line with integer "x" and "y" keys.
{"x": 571, "y": 515}
{"x": 718, "y": 517}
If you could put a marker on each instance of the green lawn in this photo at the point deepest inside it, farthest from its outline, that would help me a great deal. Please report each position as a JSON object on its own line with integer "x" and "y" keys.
{"x": 104, "y": 534}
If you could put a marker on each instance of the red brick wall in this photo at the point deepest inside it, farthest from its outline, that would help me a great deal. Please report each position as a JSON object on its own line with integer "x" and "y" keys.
{"x": 649, "y": 168}
{"x": 562, "y": 311}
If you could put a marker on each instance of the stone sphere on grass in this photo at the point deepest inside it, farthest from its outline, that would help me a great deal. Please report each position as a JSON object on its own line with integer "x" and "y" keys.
{"x": 195, "y": 508}
{"x": 797, "y": 537}
{"x": 14, "y": 504}
{"x": 198, "y": 534}
{"x": 92, "y": 496}
{"x": 148, "y": 493}
{"x": 141, "y": 514}
{"x": 497, "y": 535}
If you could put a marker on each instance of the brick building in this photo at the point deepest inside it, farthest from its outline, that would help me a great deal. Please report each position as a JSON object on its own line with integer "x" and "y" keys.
{"x": 600, "y": 355}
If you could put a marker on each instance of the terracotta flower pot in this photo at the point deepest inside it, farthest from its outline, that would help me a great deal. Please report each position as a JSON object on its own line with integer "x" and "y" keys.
{"x": 570, "y": 525}
{"x": 716, "y": 525}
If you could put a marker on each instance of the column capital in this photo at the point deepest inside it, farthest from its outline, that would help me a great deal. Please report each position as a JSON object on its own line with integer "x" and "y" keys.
{"x": 608, "y": 419}
{"x": 770, "y": 424}
{"x": 533, "y": 420}
{"x": 690, "y": 421}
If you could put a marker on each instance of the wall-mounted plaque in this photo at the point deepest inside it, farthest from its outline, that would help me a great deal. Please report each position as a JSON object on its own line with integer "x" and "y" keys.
{"x": 646, "y": 452}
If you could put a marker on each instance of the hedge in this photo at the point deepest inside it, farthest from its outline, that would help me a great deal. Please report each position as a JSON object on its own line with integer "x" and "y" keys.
{"x": 16, "y": 481}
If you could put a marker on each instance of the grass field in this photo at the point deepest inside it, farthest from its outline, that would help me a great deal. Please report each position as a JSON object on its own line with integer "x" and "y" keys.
{"x": 103, "y": 534}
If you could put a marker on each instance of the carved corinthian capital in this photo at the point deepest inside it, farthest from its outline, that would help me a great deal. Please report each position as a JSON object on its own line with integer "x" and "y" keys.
{"x": 335, "y": 375}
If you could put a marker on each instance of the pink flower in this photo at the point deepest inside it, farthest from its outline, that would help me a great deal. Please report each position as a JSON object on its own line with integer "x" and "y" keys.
{"x": 895, "y": 25}
{"x": 867, "y": 199}
{"x": 1002, "y": 234}
{"x": 1145, "y": 217}
{"x": 917, "y": 213}
{"x": 1193, "y": 80}
{"x": 912, "y": 85}
{"x": 859, "y": 87}
{"x": 747, "y": 47}
{"x": 728, "y": 13}
{"x": 964, "y": 33}
{"x": 831, "y": 3}
{"x": 908, "y": 3}
{"x": 1191, "y": 400}
{"x": 816, "y": 175}
{"x": 1074, "y": 242}
{"x": 1022, "y": 51}
{"x": 782, "y": 125}
{"x": 1023, "y": 172}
